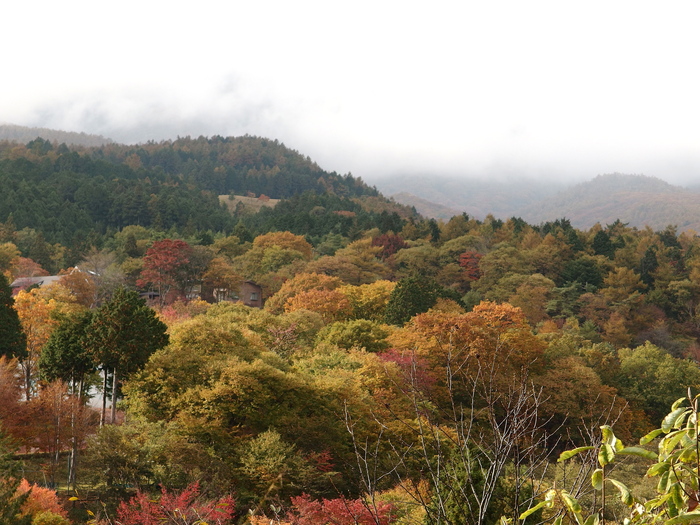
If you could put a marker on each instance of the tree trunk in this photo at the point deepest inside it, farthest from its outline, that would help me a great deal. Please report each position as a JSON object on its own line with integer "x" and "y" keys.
{"x": 115, "y": 385}
{"x": 104, "y": 398}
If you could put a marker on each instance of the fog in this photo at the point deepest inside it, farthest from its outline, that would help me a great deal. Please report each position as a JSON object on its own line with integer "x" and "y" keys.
{"x": 507, "y": 89}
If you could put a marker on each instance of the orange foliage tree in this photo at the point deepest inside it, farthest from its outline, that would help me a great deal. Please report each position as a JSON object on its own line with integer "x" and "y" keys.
{"x": 331, "y": 304}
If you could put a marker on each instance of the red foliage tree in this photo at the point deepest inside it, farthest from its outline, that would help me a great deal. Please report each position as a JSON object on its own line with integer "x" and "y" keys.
{"x": 185, "y": 508}
{"x": 338, "y": 511}
{"x": 469, "y": 260}
{"x": 390, "y": 244}
{"x": 164, "y": 265}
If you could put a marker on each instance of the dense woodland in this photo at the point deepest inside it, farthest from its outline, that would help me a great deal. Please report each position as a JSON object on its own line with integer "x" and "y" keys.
{"x": 402, "y": 370}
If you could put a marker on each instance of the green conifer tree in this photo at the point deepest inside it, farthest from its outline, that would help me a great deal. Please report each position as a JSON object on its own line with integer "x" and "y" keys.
{"x": 13, "y": 342}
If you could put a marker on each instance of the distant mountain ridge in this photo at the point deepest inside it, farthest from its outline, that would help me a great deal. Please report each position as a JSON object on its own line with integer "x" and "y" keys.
{"x": 635, "y": 199}
{"x": 434, "y": 195}
{"x": 639, "y": 200}
{"x": 24, "y": 134}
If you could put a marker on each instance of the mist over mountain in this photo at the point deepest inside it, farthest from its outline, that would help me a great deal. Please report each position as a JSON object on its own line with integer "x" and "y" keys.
{"x": 24, "y": 134}
{"x": 638, "y": 200}
{"x": 436, "y": 196}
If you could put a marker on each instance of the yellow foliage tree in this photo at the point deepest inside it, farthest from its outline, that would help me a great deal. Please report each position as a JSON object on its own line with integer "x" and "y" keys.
{"x": 40, "y": 311}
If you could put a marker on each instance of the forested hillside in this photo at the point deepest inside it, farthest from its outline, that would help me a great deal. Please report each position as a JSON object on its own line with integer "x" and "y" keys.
{"x": 332, "y": 359}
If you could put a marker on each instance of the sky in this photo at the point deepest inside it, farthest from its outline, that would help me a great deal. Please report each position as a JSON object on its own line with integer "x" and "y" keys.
{"x": 511, "y": 88}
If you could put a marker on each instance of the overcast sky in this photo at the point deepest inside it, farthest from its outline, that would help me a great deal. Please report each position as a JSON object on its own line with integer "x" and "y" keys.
{"x": 533, "y": 88}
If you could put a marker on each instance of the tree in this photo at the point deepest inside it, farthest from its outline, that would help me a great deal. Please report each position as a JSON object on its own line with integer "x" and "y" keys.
{"x": 163, "y": 265}
{"x": 286, "y": 240}
{"x": 331, "y": 304}
{"x": 65, "y": 355}
{"x": 13, "y": 341}
{"x": 301, "y": 282}
{"x": 222, "y": 278}
{"x": 412, "y": 295}
{"x": 10, "y": 501}
{"x": 122, "y": 336}
{"x": 40, "y": 311}
{"x": 360, "y": 333}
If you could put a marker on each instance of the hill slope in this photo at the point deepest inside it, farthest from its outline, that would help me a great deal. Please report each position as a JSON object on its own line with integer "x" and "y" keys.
{"x": 635, "y": 199}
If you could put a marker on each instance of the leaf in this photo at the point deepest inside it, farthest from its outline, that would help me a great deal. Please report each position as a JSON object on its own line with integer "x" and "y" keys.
{"x": 625, "y": 496}
{"x": 640, "y": 452}
{"x": 688, "y": 455}
{"x": 670, "y": 441}
{"x": 676, "y": 497}
{"x": 662, "y": 485}
{"x": 648, "y": 438}
{"x": 688, "y": 517}
{"x": 593, "y": 519}
{"x": 532, "y": 510}
{"x": 72, "y": 498}
{"x": 597, "y": 479}
{"x": 678, "y": 402}
{"x": 670, "y": 420}
{"x": 606, "y": 455}
{"x": 658, "y": 468}
{"x": 609, "y": 436}
{"x": 568, "y": 454}
{"x": 655, "y": 503}
{"x": 573, "y": 505}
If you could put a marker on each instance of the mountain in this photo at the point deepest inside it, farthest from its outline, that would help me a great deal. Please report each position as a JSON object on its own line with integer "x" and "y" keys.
{"x": 634, "y": 199}
{"x": 23, "y": 134}
{"x": 426, "y": 207}
{"x": 638, "y": 200}
{"x": 434, "y": 196}
{"x": 79, "y": 196}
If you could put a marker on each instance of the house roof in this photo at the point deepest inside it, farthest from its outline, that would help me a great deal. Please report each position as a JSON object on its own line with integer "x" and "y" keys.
{"x": 42, "y": 280}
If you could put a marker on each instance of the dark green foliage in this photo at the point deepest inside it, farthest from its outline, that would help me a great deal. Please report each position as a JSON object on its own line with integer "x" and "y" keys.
{"x": 315, "y": 215}
{"x": 584, "y": 271}
{"x": 412, "y": 296}
{"x": 173, "y": 184}
{"x": 602, "y": 245}
{"x": 125, "y": 332}
{"x": 13, "y": 342}
{"x": 648, "y": 265}
{"x": 65, "y": 355}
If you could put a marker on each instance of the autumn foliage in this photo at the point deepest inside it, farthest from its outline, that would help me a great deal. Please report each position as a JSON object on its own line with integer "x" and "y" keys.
{"x": 185, "y": 508}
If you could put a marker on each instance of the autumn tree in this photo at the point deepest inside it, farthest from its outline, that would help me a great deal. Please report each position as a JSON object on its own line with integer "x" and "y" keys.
{"x": 163, "y": 265}
{"x": 13, "y": 341}
{"x": 331, "y": 304}
{"x": 222, "y": 278}
{"x": 369, "y": 301}
{"x": 40, "y": 310}
{"x": 286, "y": 240}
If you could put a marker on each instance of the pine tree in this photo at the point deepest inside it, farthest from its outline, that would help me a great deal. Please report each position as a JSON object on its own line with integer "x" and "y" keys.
{"x": 122, "y": 336}
{"x": 13, "y": 342}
